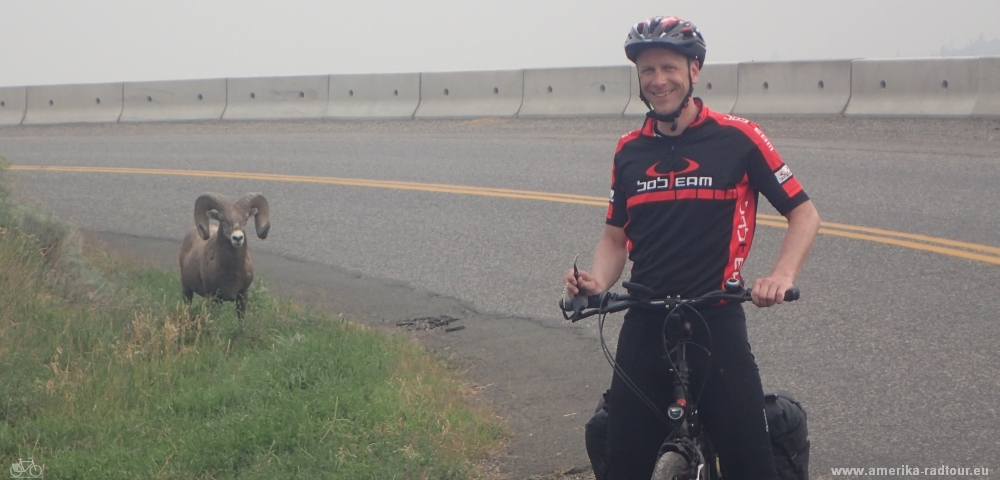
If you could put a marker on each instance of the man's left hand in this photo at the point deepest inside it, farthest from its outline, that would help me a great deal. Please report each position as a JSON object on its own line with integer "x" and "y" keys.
{"x": 769, "y": 291}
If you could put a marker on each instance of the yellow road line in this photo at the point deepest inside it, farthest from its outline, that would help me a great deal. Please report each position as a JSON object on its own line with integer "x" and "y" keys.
{"x": 358, "y": 182}
{"x": 893, "y": 241}
{"x": 911, "y": 236}
{"x": 931, "y": 244}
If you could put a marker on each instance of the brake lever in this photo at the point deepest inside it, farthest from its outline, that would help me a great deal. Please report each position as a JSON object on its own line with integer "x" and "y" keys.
{"x": 577, "y": 302}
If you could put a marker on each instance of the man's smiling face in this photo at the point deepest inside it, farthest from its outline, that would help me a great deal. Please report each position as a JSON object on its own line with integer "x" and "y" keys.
{"x": 665, "y": 77}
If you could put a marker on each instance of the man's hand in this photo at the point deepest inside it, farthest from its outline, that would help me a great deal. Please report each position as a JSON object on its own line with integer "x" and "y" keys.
{"x": 586, "y": 284}
{"x": 770, "y": 291}
{"x": 803, "y": 223}
{"x": 609, "y": 261}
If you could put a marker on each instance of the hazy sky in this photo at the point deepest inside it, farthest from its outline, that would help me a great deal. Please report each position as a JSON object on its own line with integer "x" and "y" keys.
{"x": 68, "y": 41}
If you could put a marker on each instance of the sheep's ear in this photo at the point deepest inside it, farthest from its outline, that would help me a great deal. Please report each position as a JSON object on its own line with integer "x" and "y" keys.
{"x": 214, "y": 214}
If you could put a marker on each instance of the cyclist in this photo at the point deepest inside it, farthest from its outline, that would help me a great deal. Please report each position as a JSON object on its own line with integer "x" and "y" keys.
{"x": 684, "y": 191}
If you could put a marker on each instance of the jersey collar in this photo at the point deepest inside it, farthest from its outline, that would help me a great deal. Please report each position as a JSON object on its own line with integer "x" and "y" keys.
{"x": 703, "y": 111}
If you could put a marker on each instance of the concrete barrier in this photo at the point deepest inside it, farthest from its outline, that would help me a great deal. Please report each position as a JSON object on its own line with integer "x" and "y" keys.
{"x": 470, "y": 94}
{"x": 817, "y": 88}
{"x": 174, "y": 100}
{"x": 13, "y": 103}
{"x": 91, "y": 103}
{"x": 716, "y": 86}
{"x": 276, "y": 97}
{"x": 635, "y": 105}
{"x": 576, "y": 91}
{"x": 930, "y": 87}
{"x": 988, "y": 98}
{"x": 389, "y": 95}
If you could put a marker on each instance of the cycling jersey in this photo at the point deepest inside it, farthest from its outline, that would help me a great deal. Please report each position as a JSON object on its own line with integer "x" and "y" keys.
{"x": 688, "y": 203}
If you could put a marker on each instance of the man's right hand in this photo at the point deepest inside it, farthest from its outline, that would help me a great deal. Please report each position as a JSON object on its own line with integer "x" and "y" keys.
{"x": 586, "y": 284}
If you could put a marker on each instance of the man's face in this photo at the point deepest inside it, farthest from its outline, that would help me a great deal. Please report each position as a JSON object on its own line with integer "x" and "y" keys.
{"x": 663, "y": 78}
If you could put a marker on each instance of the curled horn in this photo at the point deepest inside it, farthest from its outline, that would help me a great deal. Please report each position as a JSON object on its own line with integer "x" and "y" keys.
{"x": 204, "y": 203}
{"x": 261, "y": 220}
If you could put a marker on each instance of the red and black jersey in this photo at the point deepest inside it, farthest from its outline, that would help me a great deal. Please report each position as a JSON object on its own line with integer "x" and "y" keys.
{"x": 688, "y": 203}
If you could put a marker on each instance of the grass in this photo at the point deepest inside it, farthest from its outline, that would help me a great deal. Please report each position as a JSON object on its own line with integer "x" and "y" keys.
{"x": 105, "y": 373}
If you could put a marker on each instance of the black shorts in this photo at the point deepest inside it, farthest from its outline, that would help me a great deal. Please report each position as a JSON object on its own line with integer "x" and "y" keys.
{"x": 731, "y": 407}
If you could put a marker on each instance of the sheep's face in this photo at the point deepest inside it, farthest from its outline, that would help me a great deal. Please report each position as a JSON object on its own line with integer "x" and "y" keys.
{"x": 231, "y": 226}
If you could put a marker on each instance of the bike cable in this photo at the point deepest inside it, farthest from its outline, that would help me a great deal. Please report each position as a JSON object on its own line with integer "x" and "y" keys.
{"x": 621, "y": 373}
{"x": 708, "y": 352}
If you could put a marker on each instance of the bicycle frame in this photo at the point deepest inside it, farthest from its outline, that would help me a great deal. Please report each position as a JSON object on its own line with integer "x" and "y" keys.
{"x": 687, "y": 437}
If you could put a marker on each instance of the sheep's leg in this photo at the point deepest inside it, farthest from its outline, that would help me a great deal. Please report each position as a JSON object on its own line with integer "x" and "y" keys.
{"x": 241, "y": 304}
{"x": 188, "y": 295}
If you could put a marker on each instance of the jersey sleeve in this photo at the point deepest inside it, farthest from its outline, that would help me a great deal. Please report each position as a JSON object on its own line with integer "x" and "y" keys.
{"x": 768, "y": 174}
{"x": 617, "y": 213}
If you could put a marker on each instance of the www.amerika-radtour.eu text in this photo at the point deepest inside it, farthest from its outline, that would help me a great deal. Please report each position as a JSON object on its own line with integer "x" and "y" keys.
{"x": 943, "y": 470}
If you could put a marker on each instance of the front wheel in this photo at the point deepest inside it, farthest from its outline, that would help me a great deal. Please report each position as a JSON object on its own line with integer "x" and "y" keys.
{"x": 671, "y": 466}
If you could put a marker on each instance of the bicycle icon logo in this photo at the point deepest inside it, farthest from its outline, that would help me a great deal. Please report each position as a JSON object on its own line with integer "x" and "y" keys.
{"x": 25, "y": 469}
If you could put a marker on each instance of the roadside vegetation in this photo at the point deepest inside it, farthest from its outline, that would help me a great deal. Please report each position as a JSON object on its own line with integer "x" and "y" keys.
{"x": 105, "y": 373}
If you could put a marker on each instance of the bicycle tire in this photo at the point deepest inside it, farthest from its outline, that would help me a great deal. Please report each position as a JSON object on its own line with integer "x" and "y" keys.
{"x": 671, "y": 466}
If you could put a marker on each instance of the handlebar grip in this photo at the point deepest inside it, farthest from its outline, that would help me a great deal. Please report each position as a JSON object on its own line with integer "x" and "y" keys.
{"x": 792, "y": 294}
{"x": 569, "y": 303}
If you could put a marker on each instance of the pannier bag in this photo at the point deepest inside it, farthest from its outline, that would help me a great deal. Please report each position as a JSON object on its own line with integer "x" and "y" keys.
{"x": 596, "y": 438}
{"x": 786, "y": 423}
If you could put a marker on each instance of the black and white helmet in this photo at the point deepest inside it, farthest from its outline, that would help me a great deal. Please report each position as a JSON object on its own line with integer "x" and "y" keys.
{"x": 678, "y": 35}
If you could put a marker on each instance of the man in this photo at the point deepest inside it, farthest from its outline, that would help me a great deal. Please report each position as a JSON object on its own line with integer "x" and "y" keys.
{"x": 683, "y": 207}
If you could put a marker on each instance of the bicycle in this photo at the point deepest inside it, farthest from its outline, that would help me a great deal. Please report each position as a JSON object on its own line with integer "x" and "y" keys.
{"x": 686, "y": 452}
{"x": 25, "y": 469}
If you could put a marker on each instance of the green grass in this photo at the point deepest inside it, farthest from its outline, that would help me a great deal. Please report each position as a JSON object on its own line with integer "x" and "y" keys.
{"x": 105, "y": 373}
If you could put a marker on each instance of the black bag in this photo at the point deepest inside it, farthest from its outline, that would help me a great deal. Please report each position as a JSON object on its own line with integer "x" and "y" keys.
{"x": 596, "y": 438}
{"x": 786, "y": 423}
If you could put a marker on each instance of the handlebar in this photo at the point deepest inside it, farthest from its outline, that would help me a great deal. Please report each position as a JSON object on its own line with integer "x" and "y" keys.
{"x": 585, "y": 306}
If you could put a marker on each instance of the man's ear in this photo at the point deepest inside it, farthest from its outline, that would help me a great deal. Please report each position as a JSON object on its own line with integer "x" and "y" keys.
{"x": 695, "y": 69}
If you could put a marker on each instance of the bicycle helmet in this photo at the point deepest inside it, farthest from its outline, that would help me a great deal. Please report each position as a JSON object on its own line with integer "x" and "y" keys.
{"x": 678, "y": 35}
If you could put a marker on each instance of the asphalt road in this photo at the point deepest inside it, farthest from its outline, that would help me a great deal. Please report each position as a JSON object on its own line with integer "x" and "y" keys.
{"x": 894, "y": 351}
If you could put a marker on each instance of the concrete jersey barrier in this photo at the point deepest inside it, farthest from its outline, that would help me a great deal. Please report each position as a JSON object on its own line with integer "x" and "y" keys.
{"x": 934, "y": 87}
{"x": 988, "y": 98}
{"x": 90, "y": 103}
{"x": 174, "y": 100}
{"x": 576, "y": 91}
{"x": 717, "y": 85}
{"x": 276, "y": 97}
{"x": 389, "y": 95}
{"x": 13, "y": 103}
{"x": 914, "y": 87}
{"x": 812, "y": 88}
{"x": 470, "y": 94}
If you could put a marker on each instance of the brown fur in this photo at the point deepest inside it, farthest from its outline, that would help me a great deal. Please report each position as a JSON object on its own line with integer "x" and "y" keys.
{"x": 211, "y": 265}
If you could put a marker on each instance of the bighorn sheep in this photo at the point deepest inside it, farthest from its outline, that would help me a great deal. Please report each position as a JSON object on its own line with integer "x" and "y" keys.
{"x": 215, "y": 262}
